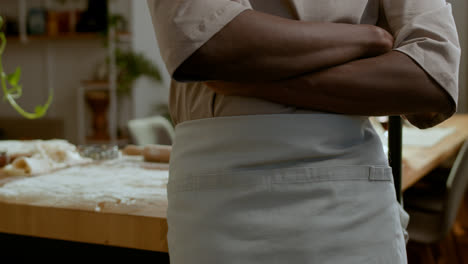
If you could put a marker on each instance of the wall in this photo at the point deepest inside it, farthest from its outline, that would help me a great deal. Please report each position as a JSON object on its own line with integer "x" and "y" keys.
{"x": 71, "y": 60}
{"x": 460, "y": 11}
{"x": 147, "y": 93}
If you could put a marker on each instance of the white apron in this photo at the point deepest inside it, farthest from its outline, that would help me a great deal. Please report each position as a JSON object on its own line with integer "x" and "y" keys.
{"x": 292, "y": 188}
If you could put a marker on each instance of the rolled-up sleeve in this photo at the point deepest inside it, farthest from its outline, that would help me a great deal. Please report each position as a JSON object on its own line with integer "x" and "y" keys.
{"x": 425, "y": 31}
{"x": 183, "y": 26}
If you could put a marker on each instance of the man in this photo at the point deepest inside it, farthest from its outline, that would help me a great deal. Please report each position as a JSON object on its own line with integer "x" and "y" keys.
{"x": 275, "y": 160}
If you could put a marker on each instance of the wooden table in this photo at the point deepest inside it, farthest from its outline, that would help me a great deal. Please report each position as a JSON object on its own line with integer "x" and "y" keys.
{"x": 133, "y": 225}
{"x": 418, "y": 161}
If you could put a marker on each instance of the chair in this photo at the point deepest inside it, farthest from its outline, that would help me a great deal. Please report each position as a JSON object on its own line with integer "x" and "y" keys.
{"x": 433, "y": 210}
{"x": 151, "y": 130}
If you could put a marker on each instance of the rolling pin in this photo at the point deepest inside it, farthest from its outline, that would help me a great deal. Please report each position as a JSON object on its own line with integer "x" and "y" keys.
{"x": 151, "y": 153}
{"x": 133, "y": 150}
{"x": 157, "y": 153}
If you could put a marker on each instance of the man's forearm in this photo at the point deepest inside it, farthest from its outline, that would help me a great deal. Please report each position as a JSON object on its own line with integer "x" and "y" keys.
{"x": 390, "y": 84}
{"x": 256, "y": 46}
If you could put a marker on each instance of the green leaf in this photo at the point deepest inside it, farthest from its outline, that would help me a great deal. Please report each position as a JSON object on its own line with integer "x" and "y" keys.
{"x": 14, "y": 78}
{"x": 39, "y": 109}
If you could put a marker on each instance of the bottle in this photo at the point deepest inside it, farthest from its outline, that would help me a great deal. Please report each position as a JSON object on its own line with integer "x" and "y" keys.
{"x": 52, "y": 23}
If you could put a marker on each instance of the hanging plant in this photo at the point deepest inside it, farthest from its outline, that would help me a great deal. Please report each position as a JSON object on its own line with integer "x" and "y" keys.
{"x": 11, "y": 87}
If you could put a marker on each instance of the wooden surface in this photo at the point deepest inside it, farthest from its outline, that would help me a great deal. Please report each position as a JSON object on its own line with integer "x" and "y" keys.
{"x": 123, "y": 36}
{"x": 418, "y": 161}
{"x": 123, "y": 230}
{"x": 138, "y": 225}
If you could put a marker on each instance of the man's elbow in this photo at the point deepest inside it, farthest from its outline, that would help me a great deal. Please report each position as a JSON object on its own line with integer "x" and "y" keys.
{"x": 441, "y": 101}
{"x": 435, "y": 112}
{"x": 448, "y": 106}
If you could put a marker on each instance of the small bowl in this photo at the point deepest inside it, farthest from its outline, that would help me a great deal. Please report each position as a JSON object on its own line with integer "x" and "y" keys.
{"x": 99, "y": 152}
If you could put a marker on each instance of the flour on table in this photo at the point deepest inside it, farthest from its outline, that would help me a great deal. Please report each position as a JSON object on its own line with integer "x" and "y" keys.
{"x": 427, "y": 137}
{"x": 103, "y": 186}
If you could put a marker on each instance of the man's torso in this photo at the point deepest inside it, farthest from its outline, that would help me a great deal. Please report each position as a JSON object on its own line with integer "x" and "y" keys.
{"x": 191, "y": 101}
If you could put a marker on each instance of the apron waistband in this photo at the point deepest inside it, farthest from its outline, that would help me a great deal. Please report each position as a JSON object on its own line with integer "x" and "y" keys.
{"x": 236, "y": 179}
{"x": 263, "y": 142}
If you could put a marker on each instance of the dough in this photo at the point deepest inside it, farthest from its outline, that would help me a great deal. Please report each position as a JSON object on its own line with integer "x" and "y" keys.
{"x": 40, "y": 156}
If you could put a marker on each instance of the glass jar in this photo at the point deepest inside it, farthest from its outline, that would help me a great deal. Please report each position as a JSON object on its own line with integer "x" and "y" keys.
{"x": 99, "y": 152}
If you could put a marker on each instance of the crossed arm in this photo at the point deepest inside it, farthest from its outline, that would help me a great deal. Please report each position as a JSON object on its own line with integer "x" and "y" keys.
{"x": 338, "y": 68}
{"x": 390, "y": 84}
{"x": 260, "y": 47}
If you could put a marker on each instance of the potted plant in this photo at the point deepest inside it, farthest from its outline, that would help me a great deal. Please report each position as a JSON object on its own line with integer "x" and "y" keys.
{"x": 130, "y": 64}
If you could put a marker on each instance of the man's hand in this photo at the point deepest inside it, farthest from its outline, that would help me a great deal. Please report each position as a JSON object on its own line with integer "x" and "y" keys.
{"x": 381, "y": 41}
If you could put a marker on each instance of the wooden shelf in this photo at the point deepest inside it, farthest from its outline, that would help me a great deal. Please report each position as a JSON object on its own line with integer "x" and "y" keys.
{"x": 95, "y": 84}
{"x": 122, "y": 37}
{"x": 65, "y": 36}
